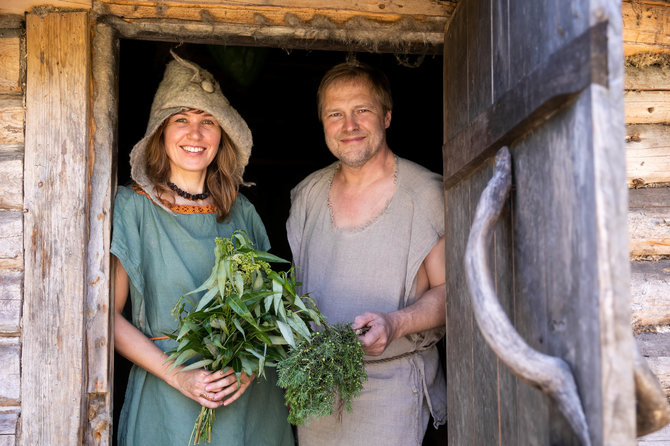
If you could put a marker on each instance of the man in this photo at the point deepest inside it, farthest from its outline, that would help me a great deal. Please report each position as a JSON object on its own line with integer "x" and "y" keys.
{"x": 366, "y": 235}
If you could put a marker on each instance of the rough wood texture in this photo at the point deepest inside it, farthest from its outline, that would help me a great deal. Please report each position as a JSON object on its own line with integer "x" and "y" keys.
{"x": 22, "y": 6}
{"x": 11, "y": 186}
{"x": 650, "y": 282}
{"x": 528, "y": 103}
{"x": 647, "y": 154}
{"x": 56, "y": 226}
{"x": 12, "y": 116}
{"x": 8, "y": 419}
{"x": 10, "y": 64}
{"x": 649, "y": 221}
{"x": 10, "y": 374}
{"x": 11, "y": 240}
{"x": 11, "y": 281}
{"x": 652, "y": 77}
{"x": 99, "y": 324}
{"x": 647, "y": 107}
{"x": 655, "y": 347}
{"x": 645, "y": 26}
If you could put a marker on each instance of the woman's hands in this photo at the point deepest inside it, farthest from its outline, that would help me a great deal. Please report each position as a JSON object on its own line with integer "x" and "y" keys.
{"x": 210, "y": 388}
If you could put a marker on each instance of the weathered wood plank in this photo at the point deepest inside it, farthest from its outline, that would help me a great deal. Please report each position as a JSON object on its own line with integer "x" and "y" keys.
{"x": 56, "y": 224}
{"x": 649, "y": 221}
{"x": 23, "y": 6}
{"x": 647, "y": 154}
{"x": 7, "y": 440}
{"x": 529, "y": 102}
{"x": 652, "y": 77}
{"x": 98, "y": 333}
{"x": 11, "y": 239}
{"x": 647, "y": 107}
{"x": 12, "y": 115}
{"x": 10, "y": 64}
{"x": 650, "y": 290}
{"x": 8, "y": 418}
{"x": 11, "y": 186}
{"x": 646, "y": 27}
{"x": 10, "y": 372}
{"x": 11, "y": 281}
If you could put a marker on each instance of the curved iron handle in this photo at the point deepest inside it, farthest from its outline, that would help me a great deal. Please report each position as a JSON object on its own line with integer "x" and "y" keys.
{"x": 653, "y": 410}
{"x": 550, "y": 374}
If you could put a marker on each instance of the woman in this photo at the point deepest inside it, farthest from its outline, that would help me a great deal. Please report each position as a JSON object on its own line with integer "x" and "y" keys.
{"x": 187, "y": 170}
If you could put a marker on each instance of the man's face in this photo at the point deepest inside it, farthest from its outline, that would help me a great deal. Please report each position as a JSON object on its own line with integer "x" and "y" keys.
{"x": 354, "y": 123}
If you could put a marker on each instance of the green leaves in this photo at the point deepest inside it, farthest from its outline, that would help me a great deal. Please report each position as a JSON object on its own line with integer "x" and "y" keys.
{"x": 246, "y": 314}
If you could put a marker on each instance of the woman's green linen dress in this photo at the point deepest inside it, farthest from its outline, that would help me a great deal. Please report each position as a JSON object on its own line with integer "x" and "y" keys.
{"x": 165, "y": 257}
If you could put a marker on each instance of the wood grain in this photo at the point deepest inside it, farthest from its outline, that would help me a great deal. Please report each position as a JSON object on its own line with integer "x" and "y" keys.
{"x": 645, "y": 27}
{"x": 647, "y": 107}
{"x": 56, "y": 224}
{"x": 10, "y": 64}
{"x": 649, "y": 221}
{"x": 12, "y": 116}
{"x": 647, "y": 154}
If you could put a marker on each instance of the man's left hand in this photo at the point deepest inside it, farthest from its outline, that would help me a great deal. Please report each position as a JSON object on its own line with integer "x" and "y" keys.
{"x": 380, "y": 332}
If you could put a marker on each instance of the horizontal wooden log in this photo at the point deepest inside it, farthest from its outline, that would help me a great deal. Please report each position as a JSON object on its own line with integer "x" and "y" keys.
{"x": 10, "y": 372}
{"x": 649, "y": 221}
{"x": 7, "y": 440}
{"x": 8, "y": 418}
{"x": 646, "y": 107}
{"x": 11, "y": 239}
{"x": 274, "y": 11}
{"x": 23, "y": 6}
{"x": 652, "y": 77}
{"x": 11, "y": 185}
{"x": 647, "y": 154}
{"x": 645, "y": 27}
{"x": 10, "y": 64}
{"x": 12, "y": 117}
{"x": 10, "y": 301}
{"x": 650, "y": 291}
{"x": 381, "y": 37}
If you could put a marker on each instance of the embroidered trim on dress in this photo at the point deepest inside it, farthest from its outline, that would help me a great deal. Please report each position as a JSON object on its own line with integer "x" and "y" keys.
{"x": 362, "y": 227}
{"x": 179, "y": 208}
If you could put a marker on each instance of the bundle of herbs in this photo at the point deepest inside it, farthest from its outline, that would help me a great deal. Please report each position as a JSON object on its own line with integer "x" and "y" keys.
{"x": 322, "y": 373}
{"x": 250, "y": 317}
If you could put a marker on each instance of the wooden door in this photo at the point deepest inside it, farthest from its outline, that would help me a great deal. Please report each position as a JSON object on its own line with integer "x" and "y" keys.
{"x": 545, "y": 78}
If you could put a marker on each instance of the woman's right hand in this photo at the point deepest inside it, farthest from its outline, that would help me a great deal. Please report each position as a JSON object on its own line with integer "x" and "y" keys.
{"x": 209, "y": 388}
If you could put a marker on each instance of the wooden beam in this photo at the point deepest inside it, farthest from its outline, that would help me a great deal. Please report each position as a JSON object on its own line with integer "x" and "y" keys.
{"x": 649, "y": 221}
{"x": 647, "y": 107}
{"x": 11, "y": 186}
{"x": 646, "y": 27}
{"x": 647, "y": 154}
{"x": 53, "y": 409}
{"x": 554, "y": 83}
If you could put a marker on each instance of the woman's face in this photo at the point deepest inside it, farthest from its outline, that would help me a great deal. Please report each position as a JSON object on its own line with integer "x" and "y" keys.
{"x": 191, "y": 139}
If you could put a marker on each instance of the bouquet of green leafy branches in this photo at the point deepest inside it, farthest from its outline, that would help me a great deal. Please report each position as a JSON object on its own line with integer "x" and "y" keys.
{"x": 246, "y": 317}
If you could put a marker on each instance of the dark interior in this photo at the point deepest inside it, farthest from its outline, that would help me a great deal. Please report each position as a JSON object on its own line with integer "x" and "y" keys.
{"x": 274, "y": 90}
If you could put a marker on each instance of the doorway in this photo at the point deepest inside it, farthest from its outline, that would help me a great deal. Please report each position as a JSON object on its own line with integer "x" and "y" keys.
{"x": 274, "y": 90}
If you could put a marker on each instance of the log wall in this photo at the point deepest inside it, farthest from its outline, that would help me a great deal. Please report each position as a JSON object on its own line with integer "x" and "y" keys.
{"x": 12, "y": 116}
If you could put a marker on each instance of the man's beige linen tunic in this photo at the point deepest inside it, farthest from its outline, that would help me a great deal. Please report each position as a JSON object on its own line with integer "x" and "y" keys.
{"x": 374, "y": 268}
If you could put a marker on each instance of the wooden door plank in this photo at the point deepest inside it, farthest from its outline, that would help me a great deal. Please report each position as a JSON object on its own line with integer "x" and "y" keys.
{"x": 56, "y": 225}
{"x": 529, "y": 102}
{"x": 460, "y": 325}
{"x": 478, "y": 18}
{"x": 456, "y": 80}
{"x": 501, "y": 61}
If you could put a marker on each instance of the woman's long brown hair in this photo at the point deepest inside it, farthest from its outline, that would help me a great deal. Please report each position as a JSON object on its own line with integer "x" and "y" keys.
{"x": 223, "y": 177}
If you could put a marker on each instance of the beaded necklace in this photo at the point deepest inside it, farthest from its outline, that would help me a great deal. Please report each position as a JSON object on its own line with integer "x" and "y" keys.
{"x": 184, "y": 194}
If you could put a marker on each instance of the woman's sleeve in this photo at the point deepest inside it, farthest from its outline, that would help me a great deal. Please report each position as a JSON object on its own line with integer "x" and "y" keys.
{"x": 126, "y": 240}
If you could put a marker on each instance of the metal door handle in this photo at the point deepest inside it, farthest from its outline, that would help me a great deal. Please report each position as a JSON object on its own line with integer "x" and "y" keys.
{"x": 552, "y": 375}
